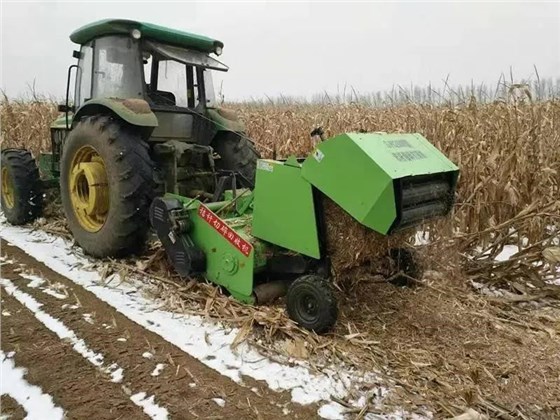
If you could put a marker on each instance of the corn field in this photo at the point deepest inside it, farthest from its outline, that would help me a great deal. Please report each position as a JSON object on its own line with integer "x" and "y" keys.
{"x": 508, "y": 151}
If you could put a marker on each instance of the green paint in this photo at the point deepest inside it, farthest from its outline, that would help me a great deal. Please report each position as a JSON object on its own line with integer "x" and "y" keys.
{"x": 60, "y": 122}
{"x": 225, "y": 264}
{"x": 224, "y": 121}
{"x": 242, "y": 298}
{"x": 261, "y": 250}
{"x": 284, "y": 212}
{"x": 45, "y": 164}
{"x": 243, "y": 201}
{"x": 145, "y": 118}
{"x": 401, "y": 155}
{"x": 357, "y": 171}
{"x": 148, "y": 30}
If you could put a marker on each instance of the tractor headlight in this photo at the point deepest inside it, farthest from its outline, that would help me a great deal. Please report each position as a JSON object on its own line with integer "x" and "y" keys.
{"x": 136, "y": 34}
{"x": 218, "y": 50}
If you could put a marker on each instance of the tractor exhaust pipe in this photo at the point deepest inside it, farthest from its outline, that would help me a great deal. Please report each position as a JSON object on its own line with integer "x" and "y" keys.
{"x": 267, "y": 292}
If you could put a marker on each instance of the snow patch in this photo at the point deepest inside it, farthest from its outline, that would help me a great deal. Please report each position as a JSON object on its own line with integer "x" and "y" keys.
{"x": 331, "y": 411}
{"x": 147, "y": 355}
{"x": 149, "y": 406}
{"x": 5, "y": 261}
{"x": 36, "y": 281}
{"x": 507, "y": 252}
{"x": 53, "y": 293}
{"x": 37, "y": 404}
{"x": 88, "y": 318}
{"x": 220, "y": 401}
{"x": 116, "y": 373}
{"x": 157, "y": 370}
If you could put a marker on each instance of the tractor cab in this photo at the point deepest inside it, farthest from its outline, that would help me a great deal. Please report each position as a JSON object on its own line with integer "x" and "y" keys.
{"x": 125, "y": 65}
{"x": 143, "y": 65}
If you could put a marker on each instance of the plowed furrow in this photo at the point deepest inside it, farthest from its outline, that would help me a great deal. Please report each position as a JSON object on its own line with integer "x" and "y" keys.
{"x": 183, "y": 385}
{"x": 75, "y": 385}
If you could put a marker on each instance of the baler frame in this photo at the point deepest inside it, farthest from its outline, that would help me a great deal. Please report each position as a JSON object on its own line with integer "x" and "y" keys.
{"x": 263, "y": 243}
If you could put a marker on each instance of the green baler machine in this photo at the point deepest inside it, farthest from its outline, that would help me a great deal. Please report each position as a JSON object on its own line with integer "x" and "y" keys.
{"x": 263, "y": 243}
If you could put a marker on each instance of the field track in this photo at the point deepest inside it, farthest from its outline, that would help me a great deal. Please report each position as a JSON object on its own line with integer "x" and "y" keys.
{"x": 132, "y": 359}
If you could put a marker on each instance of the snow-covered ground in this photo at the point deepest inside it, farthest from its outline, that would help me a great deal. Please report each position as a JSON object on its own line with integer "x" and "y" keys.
{"x": 189, "y": 333}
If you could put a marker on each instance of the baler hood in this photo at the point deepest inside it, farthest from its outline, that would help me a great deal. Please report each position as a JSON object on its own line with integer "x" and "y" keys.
{"x": 385, "y": 181}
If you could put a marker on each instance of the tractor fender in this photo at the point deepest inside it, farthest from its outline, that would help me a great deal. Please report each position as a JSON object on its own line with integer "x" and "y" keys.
{"x": 225, "y": 120}
{"x": 136, "y": 112}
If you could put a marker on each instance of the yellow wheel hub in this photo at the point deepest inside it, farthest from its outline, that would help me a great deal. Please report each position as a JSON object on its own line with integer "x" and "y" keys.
{"x": 8, "y": 193}
{"x": 89, "y": 190}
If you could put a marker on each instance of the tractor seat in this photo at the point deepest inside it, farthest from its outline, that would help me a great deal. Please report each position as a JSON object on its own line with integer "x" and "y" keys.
{"x": 161, "y": 97}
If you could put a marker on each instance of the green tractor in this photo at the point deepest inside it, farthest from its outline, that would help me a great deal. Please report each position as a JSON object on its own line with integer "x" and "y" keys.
{"x": 144, "y": 121}
{"x": 145, "y": 145}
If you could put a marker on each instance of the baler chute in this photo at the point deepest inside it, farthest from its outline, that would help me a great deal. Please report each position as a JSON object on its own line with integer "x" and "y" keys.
{"x": 384, "y": 181}
{"x": 256, "y": 243}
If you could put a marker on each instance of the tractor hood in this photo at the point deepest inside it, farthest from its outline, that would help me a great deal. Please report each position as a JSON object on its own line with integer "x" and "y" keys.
{"x": 385, "y": 181}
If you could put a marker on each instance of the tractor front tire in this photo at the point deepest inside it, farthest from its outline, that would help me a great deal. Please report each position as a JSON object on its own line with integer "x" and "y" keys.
{"x": 107, "y": 185}
{"x": 312, "y": 304}
{"x": 22, "y": 197}
{"x": 237, "y": 153}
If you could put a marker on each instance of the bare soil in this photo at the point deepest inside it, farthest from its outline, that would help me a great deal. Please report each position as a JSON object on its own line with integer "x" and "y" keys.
{"x": 185, "y": 387}
{"x": 11, "y": 408}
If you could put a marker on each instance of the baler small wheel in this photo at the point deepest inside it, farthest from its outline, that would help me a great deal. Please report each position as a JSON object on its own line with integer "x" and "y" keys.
{"x": 407, "y": 267}
{"x": 312, "y": 303}
{"x": 22, "y": 197}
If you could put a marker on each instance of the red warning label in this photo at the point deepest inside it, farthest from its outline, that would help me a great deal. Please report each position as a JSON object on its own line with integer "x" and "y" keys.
{"x": 223, "y": 229}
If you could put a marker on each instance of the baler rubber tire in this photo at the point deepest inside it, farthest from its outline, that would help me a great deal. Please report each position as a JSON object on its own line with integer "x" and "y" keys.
{"x": 237, "y": 153}
{"x": 132, "y": 186}
{"x": 406, "y": 261}
{"x": 23, "y": 175}
{"x": 321, "y": 291}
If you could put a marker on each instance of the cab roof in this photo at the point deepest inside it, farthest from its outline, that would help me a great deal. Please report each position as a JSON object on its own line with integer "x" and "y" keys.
{"x": 149, "y": 31}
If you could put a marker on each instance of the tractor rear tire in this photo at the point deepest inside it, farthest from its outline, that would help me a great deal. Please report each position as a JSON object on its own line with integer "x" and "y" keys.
{"x": 238, "y": 154}
{"x": 312, "y": 304}
{"x": 22, "y": 196}
{"x": 119, "y": 223}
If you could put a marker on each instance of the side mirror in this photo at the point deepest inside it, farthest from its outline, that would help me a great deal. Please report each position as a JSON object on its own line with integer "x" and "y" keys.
{"x": 65, "y": 108}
